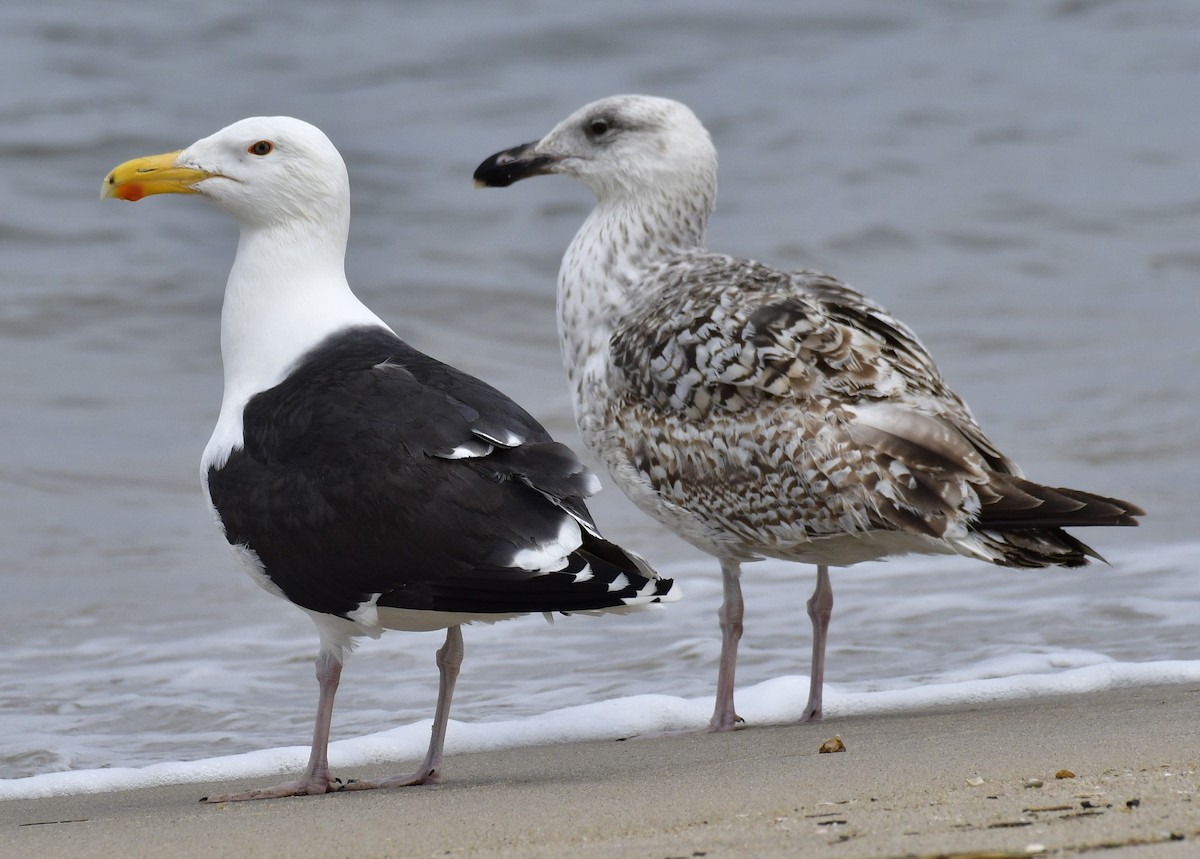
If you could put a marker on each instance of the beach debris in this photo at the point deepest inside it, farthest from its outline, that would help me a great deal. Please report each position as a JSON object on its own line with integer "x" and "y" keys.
{"x": 1064, "y": 774}
{"x": 833, "y": 744}
{"x": 974, "y": 781}
{"x": 55, "y": 822}
{"x": 1034, "y": 782}
{"x": 1132, "y": 803}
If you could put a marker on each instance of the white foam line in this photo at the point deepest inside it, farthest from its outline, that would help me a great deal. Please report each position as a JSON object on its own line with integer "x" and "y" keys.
{"x": 775, "y": 701}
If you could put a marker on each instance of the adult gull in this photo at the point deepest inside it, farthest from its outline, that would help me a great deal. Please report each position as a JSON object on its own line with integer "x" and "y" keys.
{"x": 763, "y": 413}
{"x": 371, "y": 485}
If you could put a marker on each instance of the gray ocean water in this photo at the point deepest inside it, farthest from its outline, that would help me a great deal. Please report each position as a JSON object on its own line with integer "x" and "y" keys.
{"x": 1018, "y": 181}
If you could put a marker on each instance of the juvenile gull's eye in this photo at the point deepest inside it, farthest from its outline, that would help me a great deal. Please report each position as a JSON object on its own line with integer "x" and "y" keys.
{"x": 262, "y": 147}
{"x": 598, "y": 127}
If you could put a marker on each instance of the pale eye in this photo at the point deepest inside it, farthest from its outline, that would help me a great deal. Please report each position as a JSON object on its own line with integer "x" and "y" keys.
{"x": 262, "y": 147}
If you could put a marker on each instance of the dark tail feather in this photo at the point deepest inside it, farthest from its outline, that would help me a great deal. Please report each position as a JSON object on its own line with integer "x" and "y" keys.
{"x": 1039, "y": 547}
{"x": 1020, "y": 504}
{"x": 1023, "y": 521}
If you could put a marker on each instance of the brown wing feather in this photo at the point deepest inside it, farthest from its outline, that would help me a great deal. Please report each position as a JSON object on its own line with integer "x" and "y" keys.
{"x": 723, "y": 342}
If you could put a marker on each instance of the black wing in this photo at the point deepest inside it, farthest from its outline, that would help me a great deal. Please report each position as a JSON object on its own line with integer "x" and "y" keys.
{"x": 374, "y": 472}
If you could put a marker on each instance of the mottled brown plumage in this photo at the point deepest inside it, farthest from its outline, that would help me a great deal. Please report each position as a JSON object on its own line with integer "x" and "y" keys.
{"x": 762, "y": 413}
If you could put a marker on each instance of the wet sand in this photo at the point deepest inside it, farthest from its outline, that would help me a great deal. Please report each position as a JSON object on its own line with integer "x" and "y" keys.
{"x": 975, "y": 782}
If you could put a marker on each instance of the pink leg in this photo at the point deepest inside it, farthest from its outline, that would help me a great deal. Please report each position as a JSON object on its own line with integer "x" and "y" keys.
{"x": 724, "y": 717}
{"x": 820, "y": 608}
{"x": 449, "y": 660}
{"x": 316, "y": 778}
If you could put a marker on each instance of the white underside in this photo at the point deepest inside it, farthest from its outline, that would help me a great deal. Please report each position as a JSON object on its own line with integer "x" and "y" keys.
{"x": 338, "y": 634}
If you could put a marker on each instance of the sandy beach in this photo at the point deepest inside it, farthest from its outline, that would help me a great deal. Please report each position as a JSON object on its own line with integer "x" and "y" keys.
{"x": 980, "y": 782}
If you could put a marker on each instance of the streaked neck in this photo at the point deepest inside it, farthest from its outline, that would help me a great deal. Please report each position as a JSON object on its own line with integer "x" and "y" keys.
{"x": 603, "y": 272}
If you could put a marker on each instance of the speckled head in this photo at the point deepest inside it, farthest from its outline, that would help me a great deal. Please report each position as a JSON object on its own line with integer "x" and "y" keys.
{"x": 617, "y": 146}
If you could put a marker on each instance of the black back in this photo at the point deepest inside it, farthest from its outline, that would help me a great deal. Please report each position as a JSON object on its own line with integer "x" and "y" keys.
{"x": 375, "y": 469}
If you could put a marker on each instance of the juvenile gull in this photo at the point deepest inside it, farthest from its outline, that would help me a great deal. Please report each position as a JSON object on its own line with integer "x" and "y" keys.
{"x": 371, "y": 485}
{"x": 762, "y": 413}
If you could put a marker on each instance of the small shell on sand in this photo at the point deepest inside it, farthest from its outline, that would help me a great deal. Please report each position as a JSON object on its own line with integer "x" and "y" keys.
{"x": 833, "y": 744}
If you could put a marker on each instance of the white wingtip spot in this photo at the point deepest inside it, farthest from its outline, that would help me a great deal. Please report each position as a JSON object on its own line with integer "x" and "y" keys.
{"x": 645, "y": 596}
{"x": 619, "y": 583}
{"x": 550, "y": 556}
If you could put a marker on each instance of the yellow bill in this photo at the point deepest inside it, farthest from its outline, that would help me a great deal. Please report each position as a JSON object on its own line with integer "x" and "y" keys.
{"x": 155, "y": 174}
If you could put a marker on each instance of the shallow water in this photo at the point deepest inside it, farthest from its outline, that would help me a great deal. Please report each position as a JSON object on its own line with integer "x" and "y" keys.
{"x": 1017, "y": 181}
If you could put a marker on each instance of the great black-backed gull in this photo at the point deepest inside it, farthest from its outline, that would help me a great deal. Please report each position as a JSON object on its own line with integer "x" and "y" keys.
{"x": 762, "y": 413}
{"x": 371, "y": 485}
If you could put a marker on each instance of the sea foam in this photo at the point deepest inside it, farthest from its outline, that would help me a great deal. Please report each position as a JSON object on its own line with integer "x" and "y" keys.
{"x": 776, "y": 701}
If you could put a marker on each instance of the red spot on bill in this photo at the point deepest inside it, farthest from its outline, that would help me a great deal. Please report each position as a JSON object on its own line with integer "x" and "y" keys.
{"x": 131, "y": 192}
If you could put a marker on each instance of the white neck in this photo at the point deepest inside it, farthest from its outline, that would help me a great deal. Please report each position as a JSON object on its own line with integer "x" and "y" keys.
{"x": 287, "y": 292}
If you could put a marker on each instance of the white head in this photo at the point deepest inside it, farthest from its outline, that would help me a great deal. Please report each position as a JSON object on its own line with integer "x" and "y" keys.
{"x": 286, "y": 185}
{"x": 265, "y": 171}
{"x": 621, "y": 146}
